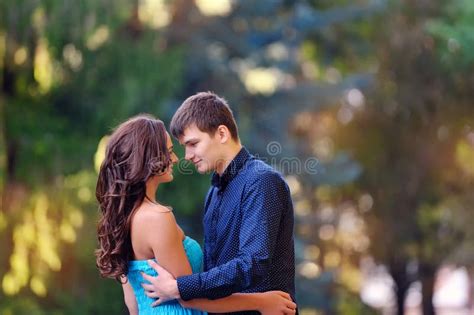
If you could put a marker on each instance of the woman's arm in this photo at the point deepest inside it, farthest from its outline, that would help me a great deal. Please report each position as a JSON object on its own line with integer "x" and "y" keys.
{"x": 129, "y": 298}
{"x": 267, "y": 303}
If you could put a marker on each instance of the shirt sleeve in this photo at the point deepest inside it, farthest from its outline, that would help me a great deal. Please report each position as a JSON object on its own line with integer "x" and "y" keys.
{"x": 265, "y": 200}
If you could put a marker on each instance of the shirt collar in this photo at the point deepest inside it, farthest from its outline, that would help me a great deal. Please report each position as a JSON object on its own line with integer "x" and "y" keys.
{"x": 232, "y": 169}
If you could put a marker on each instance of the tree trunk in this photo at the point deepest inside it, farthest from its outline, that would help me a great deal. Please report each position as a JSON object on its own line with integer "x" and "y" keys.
{"x": 3, "y": 153}
{"x": 134, "y": 28}
{"x": 398, "y": 271}
{"x": 427, "y": 277}
{"x": 470, "y": 302}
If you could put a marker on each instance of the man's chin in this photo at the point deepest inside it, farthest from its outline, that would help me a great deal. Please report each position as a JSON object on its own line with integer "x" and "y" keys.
{"x": 202, "y": 170}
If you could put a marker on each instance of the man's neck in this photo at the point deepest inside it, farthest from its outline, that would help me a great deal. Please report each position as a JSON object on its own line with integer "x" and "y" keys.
{"x": 231, "y": 154}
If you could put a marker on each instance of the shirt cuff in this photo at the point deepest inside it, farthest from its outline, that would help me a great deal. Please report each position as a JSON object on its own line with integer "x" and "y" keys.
{"x": 189, "y": 287}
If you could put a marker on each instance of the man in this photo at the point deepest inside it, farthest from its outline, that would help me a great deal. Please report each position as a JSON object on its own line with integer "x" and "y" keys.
{"x": 248, "y": 219}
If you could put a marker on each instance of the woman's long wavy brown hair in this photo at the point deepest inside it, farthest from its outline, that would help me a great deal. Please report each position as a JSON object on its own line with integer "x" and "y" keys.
{"x": 136, "y": 151}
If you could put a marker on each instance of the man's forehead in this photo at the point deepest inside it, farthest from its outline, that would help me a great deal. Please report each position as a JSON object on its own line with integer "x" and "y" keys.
{"x": 190, "y": 133}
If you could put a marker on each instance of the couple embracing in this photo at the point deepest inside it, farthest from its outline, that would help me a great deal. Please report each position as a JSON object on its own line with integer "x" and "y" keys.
{"x": 247, "y": 262}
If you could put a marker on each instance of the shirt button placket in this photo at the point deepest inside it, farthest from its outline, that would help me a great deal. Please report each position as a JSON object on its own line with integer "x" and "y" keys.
{"x": 215, "y": 215}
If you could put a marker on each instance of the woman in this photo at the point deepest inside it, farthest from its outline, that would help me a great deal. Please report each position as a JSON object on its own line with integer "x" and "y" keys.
{"x": 135, "y": 227}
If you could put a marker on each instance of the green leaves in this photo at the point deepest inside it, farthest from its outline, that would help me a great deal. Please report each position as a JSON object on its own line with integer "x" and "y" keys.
{"x": 454, "y": 34}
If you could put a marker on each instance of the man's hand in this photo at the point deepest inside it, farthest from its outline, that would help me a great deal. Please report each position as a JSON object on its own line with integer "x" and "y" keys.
{"x": 163, "y": 287}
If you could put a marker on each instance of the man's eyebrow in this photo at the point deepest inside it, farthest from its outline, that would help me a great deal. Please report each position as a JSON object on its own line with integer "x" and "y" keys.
{"x": 190, "y": 140}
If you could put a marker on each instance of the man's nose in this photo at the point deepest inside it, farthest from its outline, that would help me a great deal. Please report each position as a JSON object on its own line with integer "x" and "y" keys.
{"x": 188, "y": 155}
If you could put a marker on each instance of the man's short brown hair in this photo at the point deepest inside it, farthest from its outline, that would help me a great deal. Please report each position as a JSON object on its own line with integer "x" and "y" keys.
{"x": 208, "y": 111}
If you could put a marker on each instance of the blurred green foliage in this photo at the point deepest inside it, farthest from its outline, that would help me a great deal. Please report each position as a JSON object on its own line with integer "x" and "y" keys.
{"x": 380, "y": 92}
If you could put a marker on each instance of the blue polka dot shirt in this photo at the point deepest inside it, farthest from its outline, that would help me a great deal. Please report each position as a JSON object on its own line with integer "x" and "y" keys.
{"x": 248, "y": 234}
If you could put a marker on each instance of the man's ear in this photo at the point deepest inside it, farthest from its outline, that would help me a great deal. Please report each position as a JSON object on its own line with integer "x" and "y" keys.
{"x": 223, "y": 133}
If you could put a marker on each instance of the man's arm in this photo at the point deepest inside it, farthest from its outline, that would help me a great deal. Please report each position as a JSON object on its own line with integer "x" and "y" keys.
{"x": 266, "y": 199}
{"x": 267, "y": 303}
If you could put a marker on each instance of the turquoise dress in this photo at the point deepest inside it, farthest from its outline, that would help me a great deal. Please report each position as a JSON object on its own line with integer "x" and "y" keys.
{"x": 194, "y": 254}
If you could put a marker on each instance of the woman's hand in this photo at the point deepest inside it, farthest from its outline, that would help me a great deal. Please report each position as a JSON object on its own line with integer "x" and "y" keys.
{"x": 276, "y": 302}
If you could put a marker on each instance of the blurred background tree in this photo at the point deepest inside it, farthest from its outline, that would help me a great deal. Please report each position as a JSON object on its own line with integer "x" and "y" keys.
{"x": 365, "y": 106}
{"x": 69, "y": 74}
{"x": 412, "y": 136}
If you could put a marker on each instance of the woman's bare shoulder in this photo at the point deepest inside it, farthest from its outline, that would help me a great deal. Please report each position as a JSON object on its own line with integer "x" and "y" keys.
{"x": 153, "y": 212}
{"x": 154, "y": 218}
